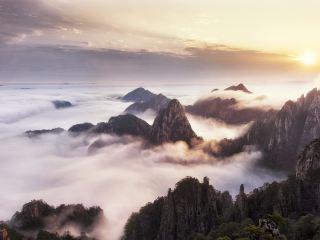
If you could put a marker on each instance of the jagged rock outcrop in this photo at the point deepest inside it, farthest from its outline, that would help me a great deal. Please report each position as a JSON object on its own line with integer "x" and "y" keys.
{"x": 283, "y": 135}
{"x": 226, "y": 110}
{"x": 155, "y": 103}
{"x": 308, "y": 165}
{"x": 241, "y": 204}
{"x": 36, "y": 133}
{"x": 172, "y": 125}
{"x": 192, "y": 207}
{"x": 138, "y": 95}
{"x": 38, "y": 215}
{"x": 239, "y": 87}
{"x": 58, "y": 104}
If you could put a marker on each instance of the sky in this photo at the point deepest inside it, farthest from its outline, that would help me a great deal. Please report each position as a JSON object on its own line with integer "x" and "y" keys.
{"x": 153, "y": 40}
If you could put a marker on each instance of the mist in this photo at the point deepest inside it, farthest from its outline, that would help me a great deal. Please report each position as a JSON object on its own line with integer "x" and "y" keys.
{"x": 120, "y": 177}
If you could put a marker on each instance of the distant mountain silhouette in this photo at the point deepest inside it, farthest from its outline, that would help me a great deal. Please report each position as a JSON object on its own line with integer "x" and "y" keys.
{"x": 239, "y": 87}
{"x": 138, "y": 95}
{"x": 156, "y": 103}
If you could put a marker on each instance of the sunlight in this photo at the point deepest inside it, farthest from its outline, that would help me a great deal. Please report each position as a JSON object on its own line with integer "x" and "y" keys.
{"x": 308, "y": 58}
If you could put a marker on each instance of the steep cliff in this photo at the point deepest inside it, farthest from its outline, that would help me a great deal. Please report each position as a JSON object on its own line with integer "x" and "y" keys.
{"x": 172, "y": 125}
{"x": 281, "y": 136}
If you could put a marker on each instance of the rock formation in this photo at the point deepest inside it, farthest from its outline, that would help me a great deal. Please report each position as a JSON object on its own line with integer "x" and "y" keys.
{"x": 241, "y": 204}
{"x": 239, "y": 87}
{"x": 172, "y": 125}
{"x": 61, "y": 104}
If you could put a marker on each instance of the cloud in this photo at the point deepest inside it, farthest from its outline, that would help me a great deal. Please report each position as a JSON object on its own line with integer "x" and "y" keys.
{"x": 121, "y": 177}
{"x": 70, "y": 64}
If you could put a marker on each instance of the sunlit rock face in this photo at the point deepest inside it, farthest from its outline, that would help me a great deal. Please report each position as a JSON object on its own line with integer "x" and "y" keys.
{"x": 309, "y": 161}
{"x": 172, "y": 125}
{"x": 283, "y": 135}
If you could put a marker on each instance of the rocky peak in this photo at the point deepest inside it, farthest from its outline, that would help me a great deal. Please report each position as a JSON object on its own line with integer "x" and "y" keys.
{"x": 172, "y": 125}
{"x": 138, "y": 95}
{"x": 309, "y": 161}
{"x": 239, "y": 87}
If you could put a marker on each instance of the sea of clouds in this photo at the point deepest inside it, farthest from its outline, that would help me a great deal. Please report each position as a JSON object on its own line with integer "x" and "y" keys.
{"x": 121, "y": 177}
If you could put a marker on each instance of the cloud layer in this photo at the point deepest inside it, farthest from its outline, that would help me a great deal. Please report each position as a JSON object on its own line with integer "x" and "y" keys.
{"x": 120, "y": 177}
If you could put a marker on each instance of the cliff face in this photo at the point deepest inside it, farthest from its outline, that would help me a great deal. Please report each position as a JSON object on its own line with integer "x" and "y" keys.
{"x": 191, "y": 207}
{"x": 309, "y": 161}
{"x": 281, "y": 136}
{"x": 172, "y": 125}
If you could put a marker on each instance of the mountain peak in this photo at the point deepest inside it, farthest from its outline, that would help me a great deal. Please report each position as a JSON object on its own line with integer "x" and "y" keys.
{"x": 172, "y": 125}
{"x": 239, "y": 87}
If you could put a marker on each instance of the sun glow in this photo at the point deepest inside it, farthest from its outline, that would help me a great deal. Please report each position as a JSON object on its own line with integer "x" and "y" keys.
{"x": 308, "y": 58}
